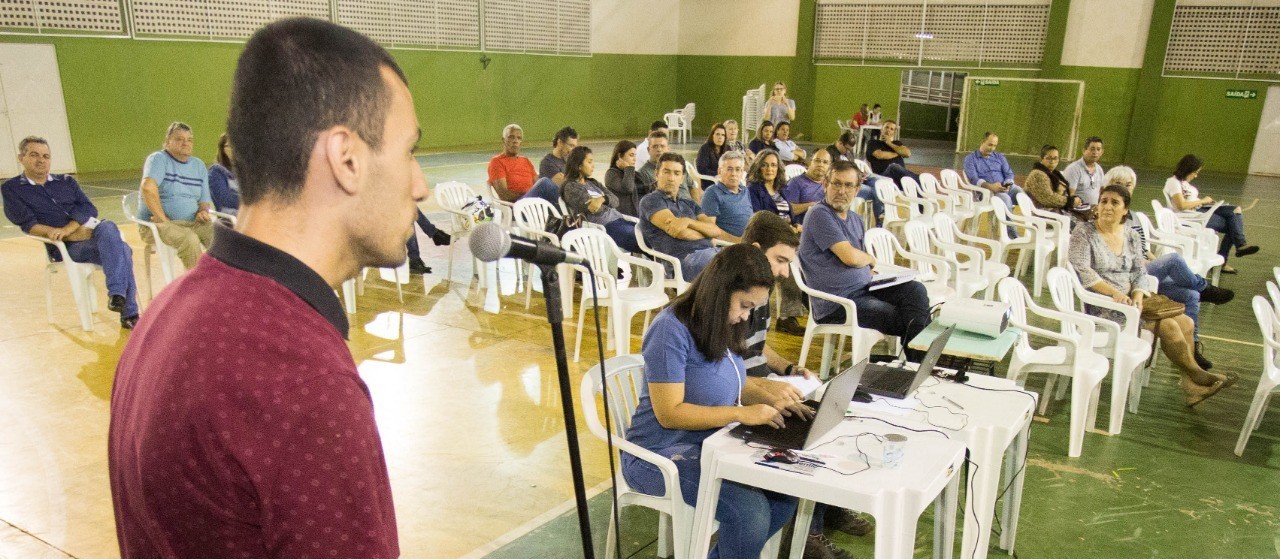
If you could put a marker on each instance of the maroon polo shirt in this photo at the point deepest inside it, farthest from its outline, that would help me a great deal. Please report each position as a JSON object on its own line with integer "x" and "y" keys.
{"x": 239, "y": 424}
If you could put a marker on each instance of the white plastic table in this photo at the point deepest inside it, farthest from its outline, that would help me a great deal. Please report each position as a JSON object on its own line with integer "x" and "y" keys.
{"x": 929, "y": 472}
{"x": 997, "y": 428}
{"x": 862, "y": 145}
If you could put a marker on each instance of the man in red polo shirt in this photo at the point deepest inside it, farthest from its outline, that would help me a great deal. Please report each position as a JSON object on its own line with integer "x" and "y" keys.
{"x": 510, "y": 173}
{"x": 239, "y": 424}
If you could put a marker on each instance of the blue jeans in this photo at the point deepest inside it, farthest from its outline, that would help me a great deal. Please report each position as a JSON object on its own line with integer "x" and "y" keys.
{"x": 107, "y": 249}
{"x": 748, "y": 516}
{"x": 896, "y": 172}
{"x": 868, "y": 193}
{"x": 546, "y": 189}
{"x": 428, "y": 229}
{"x": 695, "y": 261}
{"x": 1009, "y": 198}
{"x": 1179, "y": 283}
{"x": 901, "y": 310}
{"x": 1225, "y": 220}
{"x": 623, "y": 233}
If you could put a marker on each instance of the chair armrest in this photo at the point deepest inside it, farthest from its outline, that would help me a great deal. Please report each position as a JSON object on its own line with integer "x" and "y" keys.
{"x": 676, "y": 271}
{"x": 1059, "y": 337}
{"x": 223, "y": 215}
{"x": 634, "y": 220}
{"x": 850, "y": 310}
{"x": 1082, "y": 324}
{"x": 1132, "y": 316}
{"x": 983, "y": 194}
{"x": 653, "y": 267}
{"x": 720, "y": 243}
{"x": 543, "y": 235}
{"x": 973, "y": 255}
{"x": 670, "y": 475}
{"x": 61, "y": 246}
{"x": 938, "y": 262}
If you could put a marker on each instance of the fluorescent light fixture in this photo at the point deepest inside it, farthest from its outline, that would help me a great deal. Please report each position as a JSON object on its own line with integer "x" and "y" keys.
{"x": 923, "y": 35}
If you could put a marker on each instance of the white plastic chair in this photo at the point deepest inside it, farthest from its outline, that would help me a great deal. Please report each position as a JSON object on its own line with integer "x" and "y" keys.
{"x": 1071, "y": 356}
{"x": 1031, "y": 244}
{"x": 603, "y": 255}
{"x": 1201, "y": 253}
{"x": 84, "y": 293}
{"x": 864, "y": 168}
{"x": 921, "y": 241}
{"x": 452, "y": 196}
{"x": 894, "y": 207}
{"x": 922, "y": 206}
{"x": 167, "y": 255}
{"x": 844, "y": 125}
{"x": 861, "y": 339}
{"x": 794, "y": 170}
{"x": 931, "y": 270}
{"x": 676, "y": 282}
{"x": 959, "y": 205}
{"x": 985, "y": 267}
{"x": 1128, "y": 346}
{"x": 681, "y": 121}
{"x": 531, "y": 215}
{"x": 979, "y": 198}
{"x": 692, "y": 170}
{"x": 1191, "y": 216}
{"x": 1053, "y": 227}
{"x": 1267, "y": 321}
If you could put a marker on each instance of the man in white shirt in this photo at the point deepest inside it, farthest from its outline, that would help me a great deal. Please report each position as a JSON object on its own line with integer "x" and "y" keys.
{"x": 1085, "y": 175}
{"x": 642, "y": 149}
{"x": 787, "y": 148}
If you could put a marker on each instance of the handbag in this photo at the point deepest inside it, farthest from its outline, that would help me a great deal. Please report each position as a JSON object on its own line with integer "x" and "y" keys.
{"x": 1159, "y": 307}
{"x": 558, "y": 226}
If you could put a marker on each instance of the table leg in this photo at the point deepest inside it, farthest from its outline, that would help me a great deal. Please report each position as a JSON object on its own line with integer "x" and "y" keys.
{"x": 979, "y": 512}
{"x": 800, "y": 534}
{"x": 944, "y": 519}
{"x": 1016, "y": 468}
{"x": 895, "y": 530}
{"x": 704, "y": 513}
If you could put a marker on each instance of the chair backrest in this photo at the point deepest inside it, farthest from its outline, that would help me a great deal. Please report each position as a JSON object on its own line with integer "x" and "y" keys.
{"x": 1001, "y": 212}
{"x": 752, "y": 103}
{"x": 794, "y": 170}
{"x": 1155, "y": 205}
{"x": 910, "y": 187}
{"x": 1062, "y": 289}
{"x": 1266, "y": 315}
{"x": 453, "y": 195}
{"x": 917, "y": 233}
{"x": 532, "y": 213}
{"x": 950, "y": 179}
{"x": 129, "y": 203}
{"x": 863, "y": 167}
{"x": 1166, "y": 220}
{"x": 623, "y": 381}
{"x": 930, "y": 184}
{"x": 1011, "y": 292}
{"x": 598, "y": 249}
{"x": 881, "y": 245}
{"x": 1273, "y": 291}
{"x": 1025, "y": 201}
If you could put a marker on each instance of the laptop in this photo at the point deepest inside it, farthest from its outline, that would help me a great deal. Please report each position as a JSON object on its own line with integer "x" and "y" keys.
{"x": 895, "y": 381}
{"x": 799, "y": 434}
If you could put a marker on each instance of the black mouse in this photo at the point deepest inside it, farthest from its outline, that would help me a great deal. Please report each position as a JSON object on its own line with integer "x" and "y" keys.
{"x": 781, "y": 455}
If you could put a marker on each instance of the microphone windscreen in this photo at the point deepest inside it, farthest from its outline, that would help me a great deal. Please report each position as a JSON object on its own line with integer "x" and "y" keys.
{"x": 489, "y": 242}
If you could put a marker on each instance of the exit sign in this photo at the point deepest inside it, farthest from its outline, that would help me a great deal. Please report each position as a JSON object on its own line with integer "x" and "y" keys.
{"x": 1242, "y": 94}
{"x": 989, "y": 83}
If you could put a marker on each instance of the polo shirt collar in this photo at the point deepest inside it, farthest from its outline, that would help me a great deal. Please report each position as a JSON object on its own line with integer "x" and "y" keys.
{"x": 246, "y": 253}
{"x": 48, "y": 178}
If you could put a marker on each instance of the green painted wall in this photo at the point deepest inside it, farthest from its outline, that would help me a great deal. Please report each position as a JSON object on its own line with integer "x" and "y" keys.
{"x": 121, "y": 94}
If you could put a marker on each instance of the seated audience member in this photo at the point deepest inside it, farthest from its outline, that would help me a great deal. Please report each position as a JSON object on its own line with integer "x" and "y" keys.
{"x": 1084, "y": 175}
{"x": 223, "y": 187}
{"x": 779, "y": 108}
{"x": 620, "y": 178}
{"x": 726, "y": 202}
{"x": 787, "y": 148}
{"x": 708, "y": 162}
{"x": 1177, "y": 280}
{"x": 642, "y": 149}
{"x": 695, "y": 382}
{"x": 1107, "y": 255}
{"x": 54, "y": 207}
{"x": 438, "y": 238}
{"x": 805, "y": 190}
{"x": 677, "y": 226}
{"x": 733, "y": 140}
{"x": 987, "y": 168}
{"x": 1047, "y": 187}
{"x": 510, "y": 174}
{"x": 860, "y": 118}
{"x": 585, "y": 196}
{"x": 1227, "y": 219}
{"x": 648, "y": 173}
{"x": 175, "y": 196}
{"x": 835, "y": 261}
{"x": 551, "y": 170}
{"x": 874, "y": 117}
{"x": 765, "y": 183}
{"x": 764, "y": 138}
{"x": 886, "y": 154}
{"x": 843, "y": 149}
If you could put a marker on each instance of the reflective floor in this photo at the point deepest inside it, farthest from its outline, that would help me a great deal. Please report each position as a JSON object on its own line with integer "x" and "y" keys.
{"x": 469, "y": 411}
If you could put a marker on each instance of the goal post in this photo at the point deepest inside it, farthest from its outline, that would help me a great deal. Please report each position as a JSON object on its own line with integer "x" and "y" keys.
{"x": 1026, "y": 114}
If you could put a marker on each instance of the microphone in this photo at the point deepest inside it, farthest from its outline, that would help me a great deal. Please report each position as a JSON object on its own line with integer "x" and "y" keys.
{"x": 489, "y": 242}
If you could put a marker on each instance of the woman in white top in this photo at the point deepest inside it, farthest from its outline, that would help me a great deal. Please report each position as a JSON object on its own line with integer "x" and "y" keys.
{"x": 1226, "y": 219}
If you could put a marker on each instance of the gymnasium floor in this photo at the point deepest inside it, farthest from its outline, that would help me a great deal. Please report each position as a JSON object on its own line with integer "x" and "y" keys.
{"x": 469, "y": 410}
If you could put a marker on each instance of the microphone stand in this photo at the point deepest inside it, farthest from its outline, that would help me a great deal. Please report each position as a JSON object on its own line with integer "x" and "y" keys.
{"x": 555, "y": 316}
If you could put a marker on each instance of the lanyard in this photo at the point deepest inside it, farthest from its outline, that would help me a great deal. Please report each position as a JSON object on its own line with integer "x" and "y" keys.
{"x": 737, "y": 375}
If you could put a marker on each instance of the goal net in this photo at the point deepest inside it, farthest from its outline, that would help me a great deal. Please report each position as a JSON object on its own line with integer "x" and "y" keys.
{"x": 1026, "y": 113}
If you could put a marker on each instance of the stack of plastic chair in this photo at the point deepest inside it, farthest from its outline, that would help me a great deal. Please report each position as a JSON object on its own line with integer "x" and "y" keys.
{"x": 1127, "y": 346}
{"x": 78, "y": 274}
{"x": 603, "y": 256}
{"x": 1270, "y": 326}
{"x": 985, "y": 267}
{"x": 752, "y": 107}
{"x": 167, "y": 255}
{"x": 861, "y": 339}
{"x": 932, "y": 271}
{"x": 1031, "y": 245}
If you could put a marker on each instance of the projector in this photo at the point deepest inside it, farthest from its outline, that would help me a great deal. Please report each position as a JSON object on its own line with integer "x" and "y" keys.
{"x": 988, "y": 318}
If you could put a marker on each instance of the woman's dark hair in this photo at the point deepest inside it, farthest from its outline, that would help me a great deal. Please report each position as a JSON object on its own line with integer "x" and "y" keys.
{"x": 1187, "y": 165}
{"x": 704, "y": 307}
{"x": 620, "y": 150}
{"x": 711, "y": 138}
{"x": 1120, "y": 191}
{"x": 760, "y": 130}
{"x": 222, "y": 153}
{"x": 573, "y": 163}
{"x": 769, "y": 229}
{"x": 756, "y": 173}
{"x": 1045, "y": 149}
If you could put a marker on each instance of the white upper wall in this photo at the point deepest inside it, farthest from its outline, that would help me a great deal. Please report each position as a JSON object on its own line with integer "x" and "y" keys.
{"x": 635, "y": 26}
{"x": 721, "y": 27}
{"x": 1107, "y": 33}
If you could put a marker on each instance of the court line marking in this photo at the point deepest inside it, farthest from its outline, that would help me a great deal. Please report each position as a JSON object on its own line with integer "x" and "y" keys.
{"x": 1229, "y": 340}
{"x": 533, "y": 524}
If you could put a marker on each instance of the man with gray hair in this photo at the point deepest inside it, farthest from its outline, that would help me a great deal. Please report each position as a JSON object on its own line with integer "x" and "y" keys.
{"x": 726, "y": 202}
{"x": 510, "y": 174}
{"x": 175, "y": 196}
{"x": 54, "y": 207}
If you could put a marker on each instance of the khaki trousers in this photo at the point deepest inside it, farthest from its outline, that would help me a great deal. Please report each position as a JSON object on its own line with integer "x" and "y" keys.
{"x": 186, "y": 237}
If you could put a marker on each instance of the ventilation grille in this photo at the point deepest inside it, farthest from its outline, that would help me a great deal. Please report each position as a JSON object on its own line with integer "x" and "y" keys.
{"x": 216, "y": 19}
{"x": 538, "y": 26}
{"x": 92, "y": 17}
{"x": 1224, "y": 41}
{"x": 432, "y": 24}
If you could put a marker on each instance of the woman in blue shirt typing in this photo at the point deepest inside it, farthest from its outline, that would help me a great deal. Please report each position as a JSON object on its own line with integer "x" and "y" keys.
{"x": 695, "y": 385}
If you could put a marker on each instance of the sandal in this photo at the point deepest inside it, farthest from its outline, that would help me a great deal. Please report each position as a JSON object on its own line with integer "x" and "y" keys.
{"x": 1228, "y": 379}
{"x": 1229, "y": 270}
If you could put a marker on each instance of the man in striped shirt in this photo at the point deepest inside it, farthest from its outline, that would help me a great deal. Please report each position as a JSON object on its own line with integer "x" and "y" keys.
{"x": 175, "y": 196}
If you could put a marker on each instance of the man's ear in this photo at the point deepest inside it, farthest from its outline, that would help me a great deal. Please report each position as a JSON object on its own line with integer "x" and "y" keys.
{"x": 341, "y": 150}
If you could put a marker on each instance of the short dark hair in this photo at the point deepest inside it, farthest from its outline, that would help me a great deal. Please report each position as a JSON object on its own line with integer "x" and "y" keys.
{"x": 296, "y": 78}
{"x": 22, "y": 146}
{"x": 848, "y": 137}
{"x": 563, "y": 135}
{"x": 1090, "y": 140}
{"x": 704, "y": 307}
{"x": 657, "y": 134}
{"x": 658, "y": 125}
{"x": 842, "y": 166}
{"x": 767, "y": 229}
{"x": 780, "y": 125}
{"x": 573, "y": 163}
{"x": 1045, "y": 149}
{"x": 620, "y": 150}
{"x": 671, "y": 156}
{"x": 1187, "y": 165}
{"x": 1120, "y": 191}
{"x": 221, "y": 156}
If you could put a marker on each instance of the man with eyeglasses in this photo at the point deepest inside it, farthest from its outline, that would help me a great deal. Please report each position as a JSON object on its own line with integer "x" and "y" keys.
{"x": 1085, "y": 176}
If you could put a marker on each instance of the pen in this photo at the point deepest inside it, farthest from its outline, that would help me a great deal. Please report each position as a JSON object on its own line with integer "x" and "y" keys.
{"x": 952, "y": 402}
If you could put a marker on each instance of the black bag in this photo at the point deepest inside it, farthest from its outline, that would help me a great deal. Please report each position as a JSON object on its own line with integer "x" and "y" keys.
{"x": 559, "y": 226}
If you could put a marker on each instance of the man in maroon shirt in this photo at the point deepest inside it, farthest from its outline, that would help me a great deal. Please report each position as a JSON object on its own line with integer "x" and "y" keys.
{"x": 239, "y": 424}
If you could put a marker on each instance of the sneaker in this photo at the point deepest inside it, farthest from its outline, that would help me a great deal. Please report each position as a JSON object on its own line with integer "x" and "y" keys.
{"x": 790, "y": 325}
{"x": 1201, "y": 360}
{"x": 115, "y": 303}
{"x": 417, "y": 266}
{"x": 1216, "y": 295}
{"x": 846, "y": 521}
{"x": 1247, "y": 250}
{"x": 128, "y": 322}
{"x": 819, "y": 546}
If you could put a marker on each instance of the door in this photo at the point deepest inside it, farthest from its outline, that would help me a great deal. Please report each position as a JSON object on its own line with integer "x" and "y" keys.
{"x": 1266, "y": 146}
{"x": 31, "y": 104}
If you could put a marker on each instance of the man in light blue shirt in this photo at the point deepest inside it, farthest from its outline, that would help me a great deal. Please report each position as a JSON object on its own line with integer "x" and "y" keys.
{"x": 989, "y": 169}
{"x": 726, "y": 202}
{"x": 1085, "y": 175}
{"x": 175, "y": 196}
